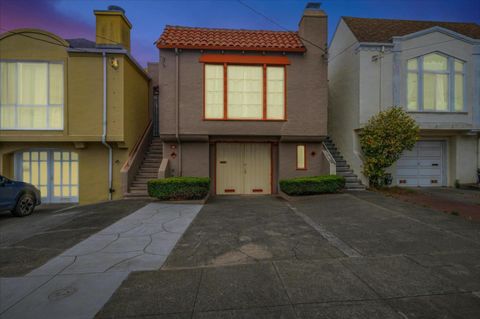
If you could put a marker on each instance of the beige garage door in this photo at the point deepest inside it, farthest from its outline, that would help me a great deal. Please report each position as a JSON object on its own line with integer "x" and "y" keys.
{"x": 243, "y": 168}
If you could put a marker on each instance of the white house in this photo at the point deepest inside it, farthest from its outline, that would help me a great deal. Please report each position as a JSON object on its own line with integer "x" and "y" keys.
{"x": 432, "y": 69}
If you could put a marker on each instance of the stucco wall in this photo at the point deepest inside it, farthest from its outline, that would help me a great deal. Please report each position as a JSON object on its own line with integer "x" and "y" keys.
{"x": 288, "y": 161}
{"x": 344, "y": 86}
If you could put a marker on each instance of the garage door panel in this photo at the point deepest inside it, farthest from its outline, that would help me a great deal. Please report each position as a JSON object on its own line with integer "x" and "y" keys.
{"x": 230, "y": 168}
{"x": 257, "y": 166}
{"x": 422, "y": 166}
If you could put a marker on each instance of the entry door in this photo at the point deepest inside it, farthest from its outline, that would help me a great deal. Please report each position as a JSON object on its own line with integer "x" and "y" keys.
{"x": 243, "y": 168}
{"x": 422, "y": 166}
{"x": 54, "y": 173}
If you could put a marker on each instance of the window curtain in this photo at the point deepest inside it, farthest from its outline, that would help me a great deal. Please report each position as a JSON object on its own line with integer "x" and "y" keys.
{"x": 275, "y": 93}
{"x": 245, "y": 92}
{"x": 31, "y": 95}
{"x": 214, "y": 91}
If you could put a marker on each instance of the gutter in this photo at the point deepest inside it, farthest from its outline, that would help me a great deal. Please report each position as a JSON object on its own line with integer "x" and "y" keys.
{"x": 177, "y": 111}
{"x": 104, "y": 127}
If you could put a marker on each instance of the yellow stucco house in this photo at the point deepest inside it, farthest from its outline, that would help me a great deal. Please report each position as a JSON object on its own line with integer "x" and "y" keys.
{"x": 73, "y": 112}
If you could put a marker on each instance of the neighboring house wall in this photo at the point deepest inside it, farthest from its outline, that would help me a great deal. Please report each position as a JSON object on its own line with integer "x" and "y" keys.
{"x": 127, "y": 111}
{"x": 381, "y": 72}
{"x": 344, "y": 86}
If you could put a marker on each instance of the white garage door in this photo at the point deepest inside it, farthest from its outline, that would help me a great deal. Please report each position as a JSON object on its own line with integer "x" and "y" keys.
{"x": 243, "y": 168}
{"x": 422, "y": 166}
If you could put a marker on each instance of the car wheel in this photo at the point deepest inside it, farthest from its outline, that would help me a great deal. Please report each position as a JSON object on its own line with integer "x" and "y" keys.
{"x": 25, "y": 205}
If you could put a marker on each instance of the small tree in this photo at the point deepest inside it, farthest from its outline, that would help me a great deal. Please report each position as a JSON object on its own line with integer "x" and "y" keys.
{"x": 383, "y": 140}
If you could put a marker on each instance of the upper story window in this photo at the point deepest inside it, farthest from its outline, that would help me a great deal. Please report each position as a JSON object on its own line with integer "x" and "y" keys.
{"x": 31, "y": 96}
{"x": 435, "y": 83}
{"x": 244, "y": 92}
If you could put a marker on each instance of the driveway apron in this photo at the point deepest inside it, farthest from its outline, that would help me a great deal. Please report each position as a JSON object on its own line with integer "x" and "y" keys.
{"x": 78, "y": 282}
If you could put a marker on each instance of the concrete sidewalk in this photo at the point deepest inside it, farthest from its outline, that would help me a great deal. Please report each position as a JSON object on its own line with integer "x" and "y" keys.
{"x": 78, "y": 282}
{"x": 332, "y": 256}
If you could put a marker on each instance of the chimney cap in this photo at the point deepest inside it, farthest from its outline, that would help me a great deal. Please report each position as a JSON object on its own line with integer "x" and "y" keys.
{"x": 116, "y": 8}
{"x": 313, "y": 5}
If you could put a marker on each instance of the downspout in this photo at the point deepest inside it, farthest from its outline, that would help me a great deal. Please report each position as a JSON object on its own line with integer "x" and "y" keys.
{"x": 104, "y": 126}
{"x": 380, "y": 86}
{"x": 177, "y": 112}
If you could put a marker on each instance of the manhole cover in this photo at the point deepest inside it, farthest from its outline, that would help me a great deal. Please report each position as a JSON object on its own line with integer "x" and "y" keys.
{"x": 62, "y": 293}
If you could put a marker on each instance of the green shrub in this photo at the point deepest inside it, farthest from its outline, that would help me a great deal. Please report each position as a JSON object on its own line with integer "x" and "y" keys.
{"x": 383, "y": 139}
{"x": 179, "y": 188}
{"x": 312, "y": 185}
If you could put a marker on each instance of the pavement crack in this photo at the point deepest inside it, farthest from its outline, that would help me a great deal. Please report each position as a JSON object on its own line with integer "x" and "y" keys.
{"x": 121, "y": 261}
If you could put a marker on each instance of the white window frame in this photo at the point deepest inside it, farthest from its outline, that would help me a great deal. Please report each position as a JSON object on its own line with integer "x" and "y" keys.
{"x": 451, "y": 83}
{"x": 48, "y": 105}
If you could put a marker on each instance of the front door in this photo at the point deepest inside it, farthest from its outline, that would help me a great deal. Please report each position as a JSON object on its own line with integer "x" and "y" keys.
{"x": 53, "y": 172}
{"x": 243, "y": 168}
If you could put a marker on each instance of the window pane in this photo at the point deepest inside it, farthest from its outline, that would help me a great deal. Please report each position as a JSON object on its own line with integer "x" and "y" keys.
{"x": 32, "y": 80}
{"x": 74, "y": 156}
{"x": 245, "y": 92}
{"x": 56, "y": 117}
{"x": 214, "y": 91}
{"x": 434, "y": 62}
{"x": 458, "y": 92}
{"x": 56, "y": 83}
{"x": 441, "y": 92}
{"x": 32, "y": 117}
{"x": 7, "y": 116}
{"x": 65, "y": 173}
{"x": 435, "y": 92}
{"x": 429, "y": 92}
{"x": 74, "y": 176}
{"x": 57, "y": 173}
{"x": 8, "y": 83}
{"x": 300, "y": 156}
{"x": 412, "y": 89}
{"x": 275, "y": 93}
{"x": 458, "y": 66}
{"x": 413, "y": 64}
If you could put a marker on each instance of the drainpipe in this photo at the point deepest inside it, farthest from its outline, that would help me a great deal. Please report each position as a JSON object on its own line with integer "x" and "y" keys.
{"x": 380, "y": 86}
{"x": 104, "y": 126}
{"x": 177, "y": 112}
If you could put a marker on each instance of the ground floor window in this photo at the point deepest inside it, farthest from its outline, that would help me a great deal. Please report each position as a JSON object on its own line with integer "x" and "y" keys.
{"x": 53, "y": 172}
{"x": 301, "y": 158}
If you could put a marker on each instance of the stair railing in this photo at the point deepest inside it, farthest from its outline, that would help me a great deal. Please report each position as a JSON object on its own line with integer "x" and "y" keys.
{"x": 135, "y": 158}
{"x": 330, "y": 159}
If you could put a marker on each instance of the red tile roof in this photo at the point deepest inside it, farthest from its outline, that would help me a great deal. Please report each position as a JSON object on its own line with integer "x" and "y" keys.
{"x": 229, "y": 39}
{"x": 382, "y": 30}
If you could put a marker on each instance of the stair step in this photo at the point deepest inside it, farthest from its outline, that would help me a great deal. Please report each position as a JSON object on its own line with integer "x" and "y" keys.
{"x": 351, "y": 179}
{"x": 151, "y": 165}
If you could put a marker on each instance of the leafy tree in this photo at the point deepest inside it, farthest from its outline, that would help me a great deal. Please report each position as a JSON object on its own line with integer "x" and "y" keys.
{"x": 383, "y": 140}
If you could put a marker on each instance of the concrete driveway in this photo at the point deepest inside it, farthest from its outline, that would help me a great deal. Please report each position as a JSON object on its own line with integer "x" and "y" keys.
{"x": 354, "y": 255}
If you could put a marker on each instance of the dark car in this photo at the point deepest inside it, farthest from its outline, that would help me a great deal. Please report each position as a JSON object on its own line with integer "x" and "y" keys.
{"x": 18, "y": 197}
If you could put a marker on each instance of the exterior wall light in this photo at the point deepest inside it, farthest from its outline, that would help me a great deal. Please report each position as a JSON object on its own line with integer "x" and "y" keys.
{"x": 114, "y": 63}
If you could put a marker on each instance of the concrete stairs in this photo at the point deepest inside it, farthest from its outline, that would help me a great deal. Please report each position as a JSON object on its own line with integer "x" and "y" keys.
{"x": 343, "y": 169}
{"x": 148, "y": 170}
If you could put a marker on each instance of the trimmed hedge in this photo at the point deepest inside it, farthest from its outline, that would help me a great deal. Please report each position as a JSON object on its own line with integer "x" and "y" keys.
{"x": 312, "y": 185}
{"x": 179, "y": 188}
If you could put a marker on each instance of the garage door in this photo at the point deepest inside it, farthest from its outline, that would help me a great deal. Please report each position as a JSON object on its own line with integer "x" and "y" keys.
{"x": 243, "y": 168}
{"x": 422, "y": 166}
{"x": 54, "y": 173}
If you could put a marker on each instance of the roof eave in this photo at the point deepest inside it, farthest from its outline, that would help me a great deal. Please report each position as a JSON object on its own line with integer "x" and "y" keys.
{"x": 228, "y": 48}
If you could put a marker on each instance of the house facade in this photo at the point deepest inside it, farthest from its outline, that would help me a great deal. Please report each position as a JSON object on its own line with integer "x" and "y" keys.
{"x": 432, "y": 70}
{"x": 246, "y": 108}
{"x": 71, "y": 111}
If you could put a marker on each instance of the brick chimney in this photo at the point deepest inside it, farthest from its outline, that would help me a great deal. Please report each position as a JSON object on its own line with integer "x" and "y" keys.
{"x": 313, "y": 25}
{"x": 112, "y": 28}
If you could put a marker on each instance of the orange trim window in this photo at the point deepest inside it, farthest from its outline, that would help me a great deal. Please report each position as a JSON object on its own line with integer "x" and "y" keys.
{"x": 301, "y": 157}
{"x": 241, "y": 91}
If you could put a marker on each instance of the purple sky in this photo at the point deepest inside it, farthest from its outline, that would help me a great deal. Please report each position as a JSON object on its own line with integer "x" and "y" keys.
{"x": 74, "y": 18}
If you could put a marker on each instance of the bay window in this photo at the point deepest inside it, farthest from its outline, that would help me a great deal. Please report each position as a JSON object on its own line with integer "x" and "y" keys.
{"x": 31, "y": 95}
{"x": 244, "y": 92}
{"x": 435, "y": 83}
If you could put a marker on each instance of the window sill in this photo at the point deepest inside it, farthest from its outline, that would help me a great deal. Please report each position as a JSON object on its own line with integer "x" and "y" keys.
{"x": 33, "y": 129}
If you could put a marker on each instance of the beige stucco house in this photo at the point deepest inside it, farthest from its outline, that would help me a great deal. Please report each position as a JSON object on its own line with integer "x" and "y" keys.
{"x": 244, "y": 107}
{"x": 432, "y": 69}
